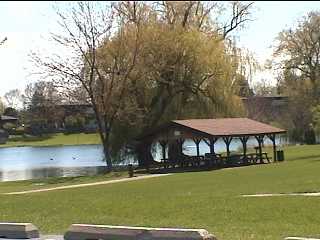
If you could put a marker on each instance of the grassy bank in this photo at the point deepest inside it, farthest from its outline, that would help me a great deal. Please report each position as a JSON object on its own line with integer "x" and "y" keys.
{"x": 209, "y": 200}
{"x": 53, "y": 140}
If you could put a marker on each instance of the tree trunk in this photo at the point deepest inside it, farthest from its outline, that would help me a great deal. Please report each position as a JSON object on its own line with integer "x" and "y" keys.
{"x": 144, "y": 155}
{"x": 107, "y": 154}
{"x": 104, "y": 136}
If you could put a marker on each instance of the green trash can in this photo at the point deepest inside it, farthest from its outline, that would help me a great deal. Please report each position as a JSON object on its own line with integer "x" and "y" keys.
{"x": 280, "y": 155}
{"x": 130, "y": 170}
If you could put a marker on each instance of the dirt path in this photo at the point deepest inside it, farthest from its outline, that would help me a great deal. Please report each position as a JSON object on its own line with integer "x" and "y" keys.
{"x": 87, "y": 184}
{"x": 315, "y": 194}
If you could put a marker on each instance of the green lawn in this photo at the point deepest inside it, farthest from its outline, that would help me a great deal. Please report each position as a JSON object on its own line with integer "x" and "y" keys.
{"x": 14, "y": 186}
{"x": 53, "y": 140}
{"x": 209, "y": 200}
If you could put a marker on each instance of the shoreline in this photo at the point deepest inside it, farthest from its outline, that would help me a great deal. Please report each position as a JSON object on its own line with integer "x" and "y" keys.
{"x": 48, "y": 145}
{"x": 54, "y": 140}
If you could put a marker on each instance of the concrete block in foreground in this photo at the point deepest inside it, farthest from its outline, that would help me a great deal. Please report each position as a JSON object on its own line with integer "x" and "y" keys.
{"x": 107, "y": 232}
{"x": 18, "y": 230}
{"x": 300, "y": 238}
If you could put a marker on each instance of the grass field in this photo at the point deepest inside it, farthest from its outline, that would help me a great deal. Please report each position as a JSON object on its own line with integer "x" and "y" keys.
{"x": 53, "y": 140}
{"x": 209, "y": 200}
{"x": 34, "y": 184}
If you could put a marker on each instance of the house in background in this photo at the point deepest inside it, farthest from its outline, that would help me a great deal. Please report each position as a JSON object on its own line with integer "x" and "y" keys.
{"x": 7, "y": 119}
{"x": 84, "y": 110}
{"x": 3, "y": 120}
{"x": 62, "y": 117}
{"x": 266, "y": 108}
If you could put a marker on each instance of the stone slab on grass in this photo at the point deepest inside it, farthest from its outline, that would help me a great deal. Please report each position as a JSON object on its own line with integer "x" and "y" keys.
{"x": 42, "y": 237}
{"x": 300, "y": 238}
{"x": 107, "y": 232}
{"x": 18, "y": 230}
{"x": 51, "y": 237}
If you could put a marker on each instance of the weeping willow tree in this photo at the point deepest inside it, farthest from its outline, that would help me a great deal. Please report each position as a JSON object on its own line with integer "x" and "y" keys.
{"x": 185, "y": 67}
{"x": 185, "y": 74}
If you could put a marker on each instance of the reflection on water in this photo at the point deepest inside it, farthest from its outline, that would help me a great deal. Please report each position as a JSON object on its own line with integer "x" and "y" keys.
{"x": 21, "y": 163}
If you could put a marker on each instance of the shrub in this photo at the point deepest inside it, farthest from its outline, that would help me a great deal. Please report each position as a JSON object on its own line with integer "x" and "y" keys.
{"x": 74, "y": 124}
{"x": 310, "y": 136}
{"x": 19, "y": 131}
{"x": 3, "y": 136}
{"x": 9, "y": 127}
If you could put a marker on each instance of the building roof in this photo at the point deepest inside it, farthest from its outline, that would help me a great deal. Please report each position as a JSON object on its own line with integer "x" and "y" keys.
{"x": 7, "y": 118}
{"x": 218, "y": 127}
{"x": 229, "y": 126}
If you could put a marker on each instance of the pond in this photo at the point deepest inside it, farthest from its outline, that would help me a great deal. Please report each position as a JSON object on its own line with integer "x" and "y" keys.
{"x": 21, "y": 163}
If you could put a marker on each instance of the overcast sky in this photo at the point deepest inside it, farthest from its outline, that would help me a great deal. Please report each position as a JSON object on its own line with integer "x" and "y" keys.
{"x": 27, "y": 24}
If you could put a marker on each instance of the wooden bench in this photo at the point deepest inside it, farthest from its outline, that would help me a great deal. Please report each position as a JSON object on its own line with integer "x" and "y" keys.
{"x": 214, "y": 159}
{"x": 265, "y": 156}
{"x": 255, "y": 157}
{"x": 251, "y": 157}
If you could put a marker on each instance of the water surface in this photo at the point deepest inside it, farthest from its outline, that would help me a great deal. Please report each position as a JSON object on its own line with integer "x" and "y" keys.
{"x": 21, "y": 163}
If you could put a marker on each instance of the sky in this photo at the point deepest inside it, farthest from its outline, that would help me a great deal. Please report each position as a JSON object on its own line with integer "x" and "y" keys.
{"x": 27, "y": 25}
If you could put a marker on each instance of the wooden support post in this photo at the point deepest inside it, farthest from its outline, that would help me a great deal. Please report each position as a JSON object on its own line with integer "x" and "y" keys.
{"x": 272, "y": 137}
{"x": 244, "y": 146}
{"x": 227, "y": 141}
{"x": 163, "y": 146}
{"x": 163, "y": 152}
{"x": 210, "y": 142}
{"x": 146, "y": 158}
{"x": 197, "y": 142}
{"x": 180, "y": 142}
{"x": 260, "y": 139}
{"x": 180, "y": 159}
{"x": 274, "y": 148}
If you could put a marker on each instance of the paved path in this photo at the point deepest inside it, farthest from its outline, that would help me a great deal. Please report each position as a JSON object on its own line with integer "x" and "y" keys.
{"x": 315, "y": 194}
{"x": 88, "y": 184}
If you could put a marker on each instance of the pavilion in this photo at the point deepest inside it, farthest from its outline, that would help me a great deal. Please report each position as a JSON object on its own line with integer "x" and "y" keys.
{"x": 7, "y": 119}
{"x": 174, "y": 133}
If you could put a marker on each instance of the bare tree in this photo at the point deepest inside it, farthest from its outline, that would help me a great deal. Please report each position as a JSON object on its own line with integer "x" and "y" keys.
{"x": 298, "y": 50}
{"x": 86, "y": 29}
{"x": 240, "y": 15}
{"x": 200, "y": 14}
{"x": 297, "y": 61}
{"x": 13, "y": 98}
{"x": 3, "y": 41}
{"x": 41, "y": 99}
